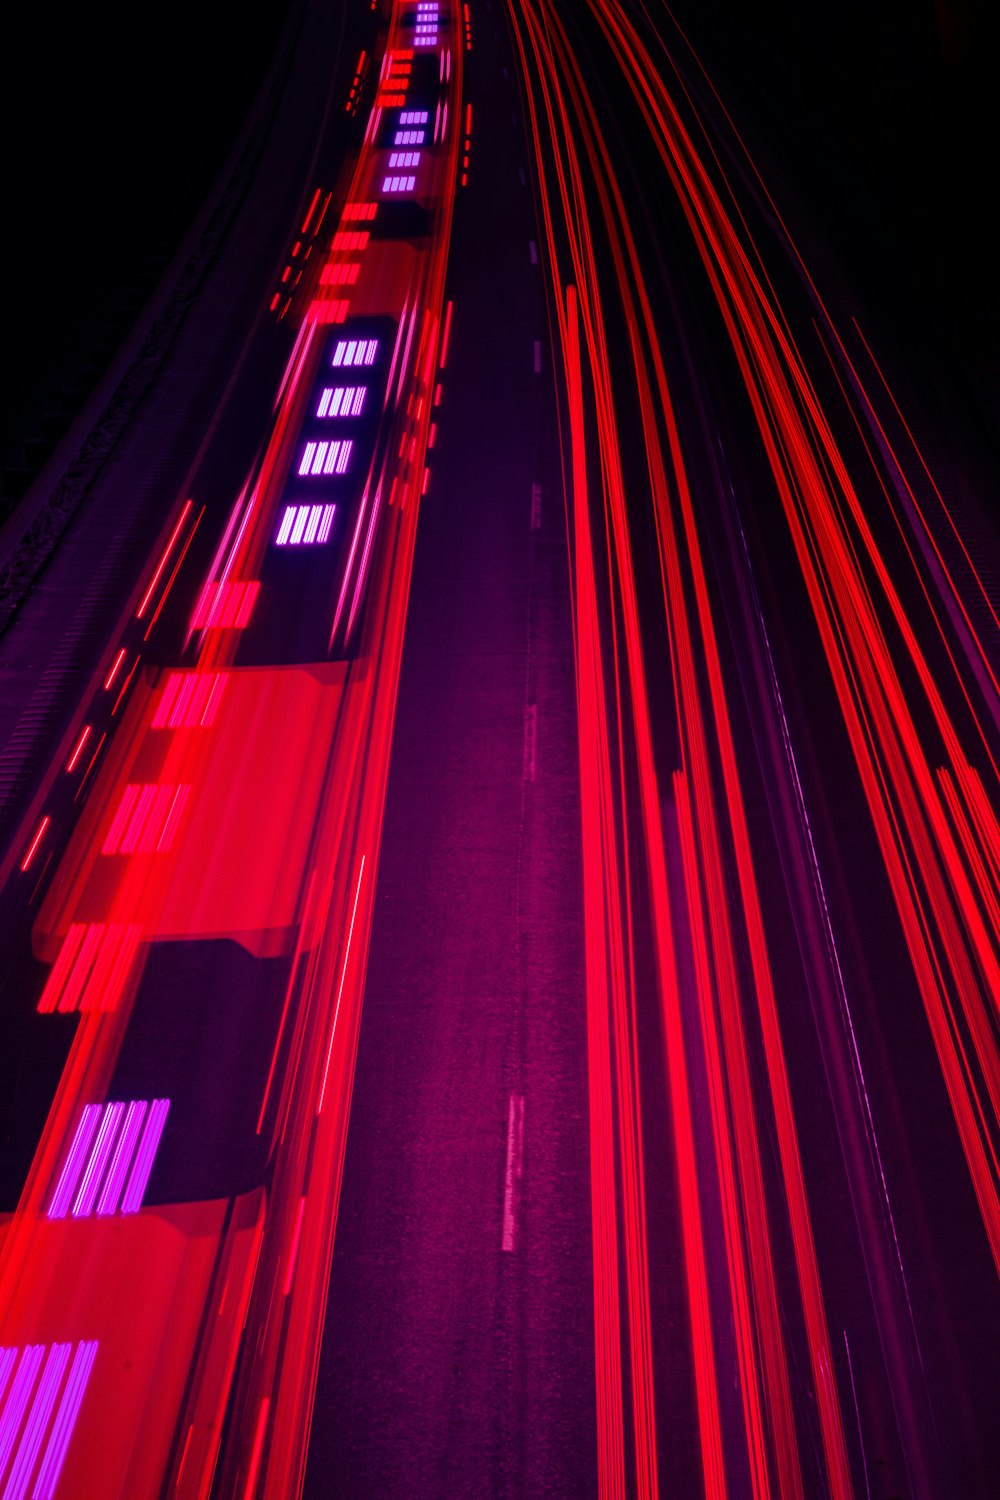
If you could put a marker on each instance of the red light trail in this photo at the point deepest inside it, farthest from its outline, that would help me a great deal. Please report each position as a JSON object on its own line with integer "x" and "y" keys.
{"x": 154, "y": 1341}
{"x": 943, "y": 891}
{"x": 244, "y": 802}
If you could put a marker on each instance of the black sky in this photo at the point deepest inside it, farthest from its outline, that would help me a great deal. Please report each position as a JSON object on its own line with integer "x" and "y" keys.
{"x": 883, "y": 117}
{"x": 881, "y": 114}
{"x": 116, "y": 121}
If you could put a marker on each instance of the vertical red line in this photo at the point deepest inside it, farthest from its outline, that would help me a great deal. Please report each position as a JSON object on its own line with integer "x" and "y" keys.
{"x": 62, "y": 967}
{"x": 257, "y": 1450}
{"x": 610, "y": 1436}
{"x": 79, "y": 974}
{"x": 33, "y": 846}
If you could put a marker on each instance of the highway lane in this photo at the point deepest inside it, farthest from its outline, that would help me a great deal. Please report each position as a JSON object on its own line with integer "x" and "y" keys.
{"x": 220, "y": 362}
{"x": 817, "y": 1187}
{"x": 197, "y": 430}
{"x": 222, "y": 872}
{"x": 458, "y": 1343}
{"x": 933, "y": 1344}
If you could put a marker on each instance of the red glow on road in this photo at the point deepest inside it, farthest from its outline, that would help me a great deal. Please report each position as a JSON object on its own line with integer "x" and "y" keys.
{"x": 190, "y": 700}
{"x": 239, "y": 803}
{"x": 78, "y": 748}
{"x": 165, "y": 558}
{"x": 92, "y": 968}
{"x": 314, "y": 200}
{"x": 340, "y": 987}
{"x": 226, "y": 605}
{"x": 115, "y": 669}
{"x": 146, "y": 820}
{"x": 446, "y": 334}
{"x": 32, "y": 848}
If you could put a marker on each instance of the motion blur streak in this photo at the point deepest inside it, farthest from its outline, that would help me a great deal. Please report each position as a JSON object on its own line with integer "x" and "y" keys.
{"x": 199, "y": 868}
{"x": 932, "y": 883}
{"x": 595, "y": 793}
{"x": 596, "y": 789}
{"x": 931, "y": 812}
{"x": 934, "y": 895}
{"x": 219, "y": 883}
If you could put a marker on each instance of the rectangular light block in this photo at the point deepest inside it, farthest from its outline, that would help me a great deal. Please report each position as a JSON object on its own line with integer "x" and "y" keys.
{"x": 303, "y": 525}
{"x": 189, "y": 700}
{"x": 92, "y": 968}
{"x": 41, "y": 1391}
{"x": 110, "y": 1159}
{"x": 146, "y": 819}
{"x": 354, "y": 352}
{"x": 325, "y": 458}
{"x": 344, "y": 273}
{"x": 358, "y": 213}
{"x": 225, "y": 605}
{"x": 351, "y": 239}
{"x": 341, "y": 401}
